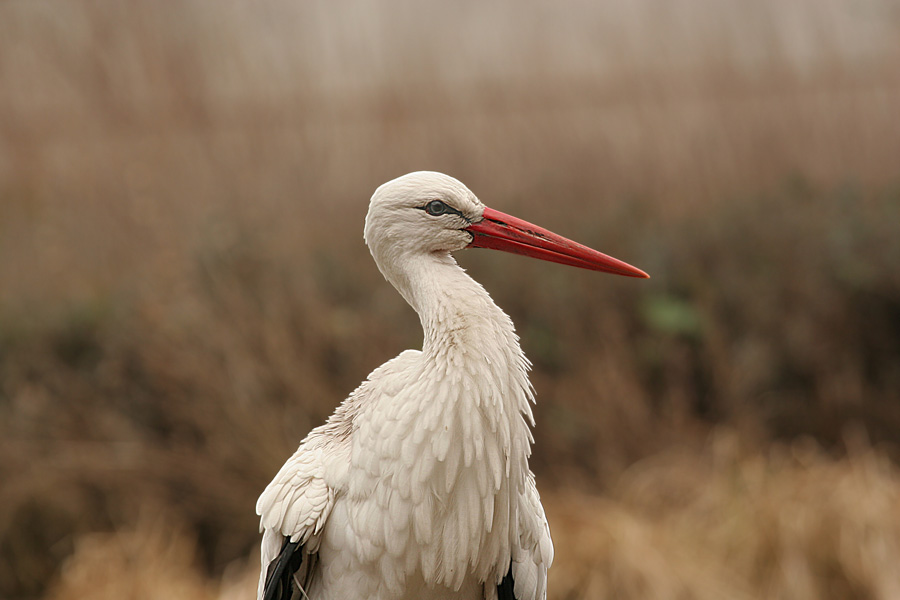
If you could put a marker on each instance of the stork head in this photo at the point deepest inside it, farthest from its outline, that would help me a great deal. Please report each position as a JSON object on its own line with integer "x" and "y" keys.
{"x": 421, "y": 212}
{"x": 432, "y": 213}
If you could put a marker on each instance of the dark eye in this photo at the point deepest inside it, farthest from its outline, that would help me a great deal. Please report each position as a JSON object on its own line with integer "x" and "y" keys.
{"x": 435, "y": 208}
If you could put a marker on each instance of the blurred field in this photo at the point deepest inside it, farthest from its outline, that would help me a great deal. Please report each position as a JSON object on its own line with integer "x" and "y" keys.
{"x": 184, "y": 291}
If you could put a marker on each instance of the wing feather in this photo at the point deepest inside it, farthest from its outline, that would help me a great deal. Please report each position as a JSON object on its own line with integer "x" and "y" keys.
{"x": 279, "y": 574}
{"x": 293, "y": 510}
{"x": 534, "y": 552}
{"x": 505, "y": 590}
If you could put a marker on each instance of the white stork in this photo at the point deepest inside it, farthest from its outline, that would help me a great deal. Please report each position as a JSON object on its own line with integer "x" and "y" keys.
{"x": 418, "y": 486}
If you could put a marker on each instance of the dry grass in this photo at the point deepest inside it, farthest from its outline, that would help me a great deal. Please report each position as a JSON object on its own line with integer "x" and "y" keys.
{"x": 184, "y": 291}
{"x": 152, "y": 559}
{"x": 715, "y": 522}
{"x": 791, "y": 523}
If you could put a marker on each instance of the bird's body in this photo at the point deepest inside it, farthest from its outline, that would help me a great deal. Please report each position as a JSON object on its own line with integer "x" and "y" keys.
{"x": 418, "y": 486}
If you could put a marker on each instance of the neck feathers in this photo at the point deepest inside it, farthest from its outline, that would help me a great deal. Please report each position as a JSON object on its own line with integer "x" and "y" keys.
{"x": 446, "y": 437}
{"x": 472, "y": 348}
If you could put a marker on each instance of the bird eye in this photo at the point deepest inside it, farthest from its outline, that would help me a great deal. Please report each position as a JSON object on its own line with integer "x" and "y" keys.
{"x": 435, "y": 208}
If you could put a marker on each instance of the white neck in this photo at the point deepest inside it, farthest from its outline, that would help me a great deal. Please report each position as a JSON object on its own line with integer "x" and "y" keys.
{"x": 463, "y": 328}
{"x": 471, "y": 347}
{"x": 451, "y": 421}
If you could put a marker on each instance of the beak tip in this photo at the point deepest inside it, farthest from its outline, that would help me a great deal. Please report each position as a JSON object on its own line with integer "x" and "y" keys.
{"x": 636, "y": 273}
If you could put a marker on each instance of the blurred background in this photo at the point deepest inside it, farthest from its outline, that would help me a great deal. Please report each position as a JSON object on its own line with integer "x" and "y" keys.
{"x": 184, "y": 289}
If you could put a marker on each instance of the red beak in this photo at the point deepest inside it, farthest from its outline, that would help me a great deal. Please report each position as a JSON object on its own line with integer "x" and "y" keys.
{"x": 504, "y": 232}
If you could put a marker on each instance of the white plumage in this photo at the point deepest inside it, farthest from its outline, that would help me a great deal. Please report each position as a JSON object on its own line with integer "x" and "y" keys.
{"x": 418, "y": 486}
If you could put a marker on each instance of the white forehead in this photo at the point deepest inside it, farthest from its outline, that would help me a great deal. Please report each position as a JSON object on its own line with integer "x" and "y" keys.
{"x": 426, "y": 185}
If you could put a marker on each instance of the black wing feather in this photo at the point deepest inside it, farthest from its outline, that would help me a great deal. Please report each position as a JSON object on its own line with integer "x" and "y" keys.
{"x": 506, "y": 589}
{"x": 280, "y": 573}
